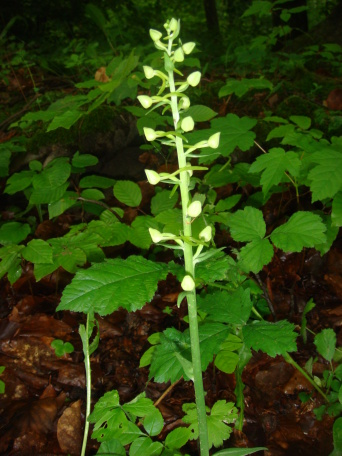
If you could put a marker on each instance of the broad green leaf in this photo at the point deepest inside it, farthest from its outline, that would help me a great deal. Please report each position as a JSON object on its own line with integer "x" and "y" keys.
{"x": 271, "y": 338}
{"x": 48, "y": 195}
{"x": 336, "y": 214}
{"x": 211, "y": 335}
{"x": 19, "y": 181}
{"x": 11, "y": 262}
{"x": 217, "y": 177}
{"x": 5, "y": 158}
{"x": 68, "y": 200}
{"x": 200, "y": 113}
{"x": 259, "y": 8}
{"x": 111, "y": 232}
{"x": 139, "y": 234}
{"x": 337, "y": 436}
{"x": 84, "y": 160}
{"x": 43, "y": 269}
{"x": 177, "y": 437}
{"x": 231, "y": 308}
{"x": 172, "y": 219}
{"x": 214, "y": 268}
{"x": 153, "y": 422}
{"x": 326, "y": 176}
{"x": 330, "y": 235}
{"x": 71, "y": 258}
{"x": 128, "y": 192}
{"x": 65, "y": 120}
{"x": 303, "y": 229}
{"x": 281, "y": 132}
{"x": 105, "y": 287}
{"x": 255, "y": 255}
{"x": 139, "y": 406}
{"x": 325, "y": 342}
{"x": 112, "y": 447}
{"x": 163, "y": 200}
{"x": 247, "y": 225}
{"x": 228, "y": 203}
{"x": 145, "y": 446}
{"x": 96, "y": 181}
{"x": 241, "y": 87}
{"x": 38, "y": 251}
{"x": 165, "y": 365}
{"x": 274, "y": 164}
{"x": 13, "y": 232}
{"x": 303, "y": 122}
{"x": 92, "y": 194}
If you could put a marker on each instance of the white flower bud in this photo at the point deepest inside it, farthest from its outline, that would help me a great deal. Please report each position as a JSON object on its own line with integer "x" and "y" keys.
{"x": 149, "y": 72}
{"x": 214, "y": 140}
{"x": 194, "y": 78}
{"x": 194, "y": 209}
{"x": 188, "y": 47}
{"x": 187, "y": 124}
{"x": 179, "y": 55}
{"x": 206, "y": 234}
{"x": 156, "y": 235}
{"x": 145, "y": 101}
{"x": 152, "y": 176}
{"x": 155, "y": 35}
{"x": 150, "y": 134}
{"x": 188, "y": 283}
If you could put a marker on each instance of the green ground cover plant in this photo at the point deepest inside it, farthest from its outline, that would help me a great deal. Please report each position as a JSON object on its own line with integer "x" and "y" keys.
{"x": 227, "y": 316}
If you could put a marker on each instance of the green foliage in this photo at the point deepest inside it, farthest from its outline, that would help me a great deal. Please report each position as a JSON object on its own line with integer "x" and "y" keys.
{"x": 61, "y": 348}
{"x": 2, "y": 384}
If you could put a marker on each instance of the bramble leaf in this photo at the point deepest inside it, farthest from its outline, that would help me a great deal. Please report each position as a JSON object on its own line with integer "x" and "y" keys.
{"x": 255, "y": 255}
{"x": 105, "y": 287}
{"x": 274, "y": 164}
{"x": 271, "y": 338}
{"x": 303, "y": 229}
{"x": 247, "y": 225}
{"x": 326, "y": 176}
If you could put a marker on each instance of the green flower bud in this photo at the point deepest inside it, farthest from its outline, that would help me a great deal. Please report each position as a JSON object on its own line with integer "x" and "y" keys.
{"x": 206, "y": 234}
{"x": 150, "y": 134}
{"x": 188, "y": 47}
{"x": 156, "y": 235}
{"x": 195, "y": 209}
{"x": 145, "y": 101}
{"x": 152, "y": 176}
{"x": 194, "y": 78}
{"x": 184, "y": 103}
{"x": 214, "y": 140}
{"x": 188, "y": 283}
{"x": 187, "y": 124}
{"x": 174, "y": 27}
{"x": 179, "y": 55}
{"x": 155, "y": 35}
{"x": 149, "y": 72}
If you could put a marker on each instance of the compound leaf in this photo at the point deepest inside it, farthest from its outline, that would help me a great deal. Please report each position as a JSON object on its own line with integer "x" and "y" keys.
{"x": 247, "y": 225}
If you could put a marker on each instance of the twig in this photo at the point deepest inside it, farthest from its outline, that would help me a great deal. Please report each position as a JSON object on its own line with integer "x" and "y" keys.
{"x": 166, "y": 392}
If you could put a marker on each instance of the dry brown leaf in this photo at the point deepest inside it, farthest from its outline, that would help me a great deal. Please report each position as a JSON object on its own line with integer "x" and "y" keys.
{"x": 69, "y": 429}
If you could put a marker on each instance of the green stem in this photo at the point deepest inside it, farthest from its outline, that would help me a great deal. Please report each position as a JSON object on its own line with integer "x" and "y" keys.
{"x": 85, "y": 343}
{"x": 291, "y": 361}
{"x": 191, "y": 296}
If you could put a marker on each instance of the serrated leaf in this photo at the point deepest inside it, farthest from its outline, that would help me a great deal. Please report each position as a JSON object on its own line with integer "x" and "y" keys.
{"x": 200, "y": 113}
{"x": 247, "y": 225}
{"x": 274, "y": 164}
{"x": 281, "y": 132}
{"x": 112, "y": 447}
{"x": 105, "y": 287}
{"x": 255, "y": 255}
{"x": 13, "y": 232}
{"x": 228, "y": 203}
{"x": 232, "y": 308}
{"x": 47, "y": 195}
{"x": 177, "y": 438}
{"x": 271, "y": 338}
{"x": 128, "y": 192}
{"x": 226, "y": 361}
{"x": 336, "y": 213}
{"x": 96, "y": 181}
{"x": 303, "y": 229}
{"x": 326, "y": 176}
{"x": 162, "y": 201}
{"x": 213, "y": 269}
{"x": 38, "y": 251}
{"x": 211, "y": 335}
{"x": 325, "y": 342}
{"x": 243, "y": 86}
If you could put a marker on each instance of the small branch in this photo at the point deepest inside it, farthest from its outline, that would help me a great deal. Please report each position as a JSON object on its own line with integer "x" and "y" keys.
{"x": 99, "y": 203}
{"x": 166, "y": 392}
